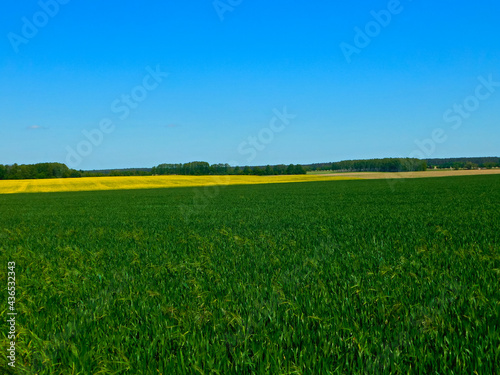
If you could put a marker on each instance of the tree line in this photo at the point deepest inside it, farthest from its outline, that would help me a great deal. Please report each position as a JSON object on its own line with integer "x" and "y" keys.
{"x": 35, "y": 171}
{"x": 373, "y": 165}
{"x": 204, "y": 168}
{"x": 59, "y": 170}
{"x": 465, "y": 163}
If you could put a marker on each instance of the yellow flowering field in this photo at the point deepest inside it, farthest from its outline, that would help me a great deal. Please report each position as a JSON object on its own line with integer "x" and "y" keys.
{"x": 147, "y": 182}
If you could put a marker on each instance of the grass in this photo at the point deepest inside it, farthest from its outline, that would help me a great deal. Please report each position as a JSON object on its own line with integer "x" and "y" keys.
{"x": 319, "y": 277}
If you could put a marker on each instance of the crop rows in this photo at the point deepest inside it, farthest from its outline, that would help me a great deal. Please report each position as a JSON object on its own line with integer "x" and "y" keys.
{"x": 300, "y": 278}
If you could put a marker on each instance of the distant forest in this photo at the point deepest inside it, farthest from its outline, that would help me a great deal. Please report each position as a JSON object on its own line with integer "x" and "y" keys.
{"x": 465, "y": 163}
{"x": 58, "y": 170}
{"x": 373, "y": 165}
{"x": 401, "y": 165}
{"x": 203, "y": 168}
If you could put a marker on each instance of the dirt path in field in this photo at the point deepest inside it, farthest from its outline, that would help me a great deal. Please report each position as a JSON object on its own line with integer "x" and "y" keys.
{"x": 430, "y": 173}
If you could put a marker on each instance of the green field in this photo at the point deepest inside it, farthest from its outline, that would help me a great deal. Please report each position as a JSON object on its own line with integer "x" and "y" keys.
{"x": 300, "y": 278}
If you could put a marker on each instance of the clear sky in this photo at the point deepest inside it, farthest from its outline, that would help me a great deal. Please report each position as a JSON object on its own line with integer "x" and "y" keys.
{"x": 249, "y": 82}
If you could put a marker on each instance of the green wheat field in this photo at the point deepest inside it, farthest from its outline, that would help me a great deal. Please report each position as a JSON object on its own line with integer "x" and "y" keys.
{"x": 336, "y": 277}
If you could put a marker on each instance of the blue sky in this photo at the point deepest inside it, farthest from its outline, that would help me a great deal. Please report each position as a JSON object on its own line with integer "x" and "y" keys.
{"x": 420, "y": 70}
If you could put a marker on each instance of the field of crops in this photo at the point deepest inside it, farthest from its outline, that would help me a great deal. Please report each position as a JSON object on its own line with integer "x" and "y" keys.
{"x": 325, "y": 277}
{"x": 147, "y": 182}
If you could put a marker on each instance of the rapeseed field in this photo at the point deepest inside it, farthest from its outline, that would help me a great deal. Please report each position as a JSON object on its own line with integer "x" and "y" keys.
{"x": 147, "y": 182}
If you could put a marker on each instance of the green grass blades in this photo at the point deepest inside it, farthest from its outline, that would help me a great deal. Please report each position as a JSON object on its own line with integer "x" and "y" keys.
{"x": 337, "y": 277}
